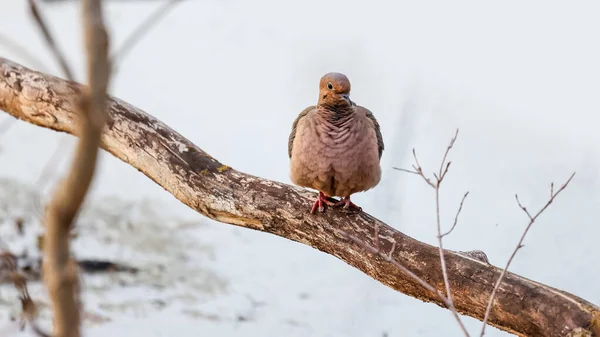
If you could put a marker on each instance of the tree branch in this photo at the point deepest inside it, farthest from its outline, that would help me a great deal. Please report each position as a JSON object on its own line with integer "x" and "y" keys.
{"x": 522, "y": 306}
{"x": 520, "y": 245}
{"x": 439, "y": 177}
{"x": 43, "y": 26}
{"x": 59, "y": 269}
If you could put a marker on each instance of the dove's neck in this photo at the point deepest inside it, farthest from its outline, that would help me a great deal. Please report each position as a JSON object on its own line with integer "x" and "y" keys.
{"x": 338, "y": 116}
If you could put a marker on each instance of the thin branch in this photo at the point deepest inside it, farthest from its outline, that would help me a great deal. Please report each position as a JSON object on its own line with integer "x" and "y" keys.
{"x": 43, "y": 26}
{"x": 519, "y": 246}
{"x": 443, "y": 261}
{"x": 22, "y": 52}
{"x": 419, "y": 170}
{"x": 439, "y": 177}
{"x": 443, "y": 171}
{"x": 457, "y": 214}
{"x": 524, "y": 208}
{"x": 29, "y": 311}
{"x": 407, "y": 171}
{"x": 141, "y": 30}
{"x": 51, "y": 163}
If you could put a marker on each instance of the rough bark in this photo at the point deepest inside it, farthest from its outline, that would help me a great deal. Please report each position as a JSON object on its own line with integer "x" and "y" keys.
{"x": 522, "y": 306}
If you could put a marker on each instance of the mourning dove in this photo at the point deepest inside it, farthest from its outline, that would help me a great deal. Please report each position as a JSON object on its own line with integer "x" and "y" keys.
{"x": 335, "y": 147}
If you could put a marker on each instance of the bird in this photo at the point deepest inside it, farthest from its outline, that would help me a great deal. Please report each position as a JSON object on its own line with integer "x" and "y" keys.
{"x": 335, "y": 146}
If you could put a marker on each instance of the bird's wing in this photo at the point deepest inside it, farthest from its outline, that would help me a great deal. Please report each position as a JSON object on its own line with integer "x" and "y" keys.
{"x": 371, "y": 117}
{"x": 294, "y": 125}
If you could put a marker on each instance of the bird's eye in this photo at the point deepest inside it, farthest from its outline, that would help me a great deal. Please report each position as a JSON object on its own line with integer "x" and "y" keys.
{"x": 330, "y": 86}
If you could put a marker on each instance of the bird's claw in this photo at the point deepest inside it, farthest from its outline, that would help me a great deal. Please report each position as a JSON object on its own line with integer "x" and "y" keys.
{"x": 323, "y": 201}
{"x": 347, "y": 204}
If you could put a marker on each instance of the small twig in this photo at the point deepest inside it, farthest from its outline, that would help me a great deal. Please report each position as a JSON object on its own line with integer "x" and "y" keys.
{"x": 376, "y": 239}
{"x": 523, "y": 207}
{"x": 519, "y": 246}
{"x": 22, "y": 52}
{"x": 439, "y": 177}
{"x": 392, "y": 250}
{"x": 43, "y": 26}
{"x": 457, "y": 214}
{"x": 417, "y": 170}
{"x": 443, "y": 172}
{"x": 51, "y": 163}
{"x": 405, "y": 170}
{"x": 140, "y": 30}
{"x": 29, "y": 310}
{"x": 66, "y": 69}
{"x": 443, "y": 262}
{"x": 388, "y": 258}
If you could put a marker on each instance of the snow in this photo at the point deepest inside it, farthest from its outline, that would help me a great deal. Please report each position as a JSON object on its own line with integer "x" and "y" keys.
{"x": 520, "y": 80}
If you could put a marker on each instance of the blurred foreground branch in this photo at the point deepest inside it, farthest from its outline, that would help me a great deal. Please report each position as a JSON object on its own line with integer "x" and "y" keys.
{"x": 521, "y": 306}
{"x": 59, "y": 269}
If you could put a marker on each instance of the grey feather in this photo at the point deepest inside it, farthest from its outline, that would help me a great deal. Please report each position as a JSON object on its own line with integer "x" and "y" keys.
{"x": 380, "y": 145}
{"x": 294, "y": 125}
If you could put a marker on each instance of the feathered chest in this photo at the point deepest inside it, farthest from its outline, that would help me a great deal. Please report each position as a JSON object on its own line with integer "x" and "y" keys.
{"x": 338, "y": 132}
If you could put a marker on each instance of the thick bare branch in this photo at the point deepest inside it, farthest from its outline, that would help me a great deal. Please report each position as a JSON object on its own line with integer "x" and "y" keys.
{"x": 523, "y": 307}
{"x": 388, "y": 257}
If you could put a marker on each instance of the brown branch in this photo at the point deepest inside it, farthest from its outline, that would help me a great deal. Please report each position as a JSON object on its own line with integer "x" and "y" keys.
{"x": 8, "y": 266}
{"x": 532, "y": 219}
{"x": 9, "y": 271}
{"x": 439, "y": 177}
{"x": 388, "y": 258}
{"x": 523, "y": 307}
{"x": 60, "y": 271}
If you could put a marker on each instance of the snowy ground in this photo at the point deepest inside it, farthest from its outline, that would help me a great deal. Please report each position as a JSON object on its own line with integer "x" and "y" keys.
{"x": 519, "y": 79}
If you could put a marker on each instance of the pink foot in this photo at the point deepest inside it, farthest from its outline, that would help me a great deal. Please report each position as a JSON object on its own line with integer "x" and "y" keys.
{"x": 321, "y": 202}
{"x": 346, "y": 203}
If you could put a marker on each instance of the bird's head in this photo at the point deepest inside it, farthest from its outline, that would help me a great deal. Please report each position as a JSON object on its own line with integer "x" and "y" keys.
{"x": 334, "y": 90}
